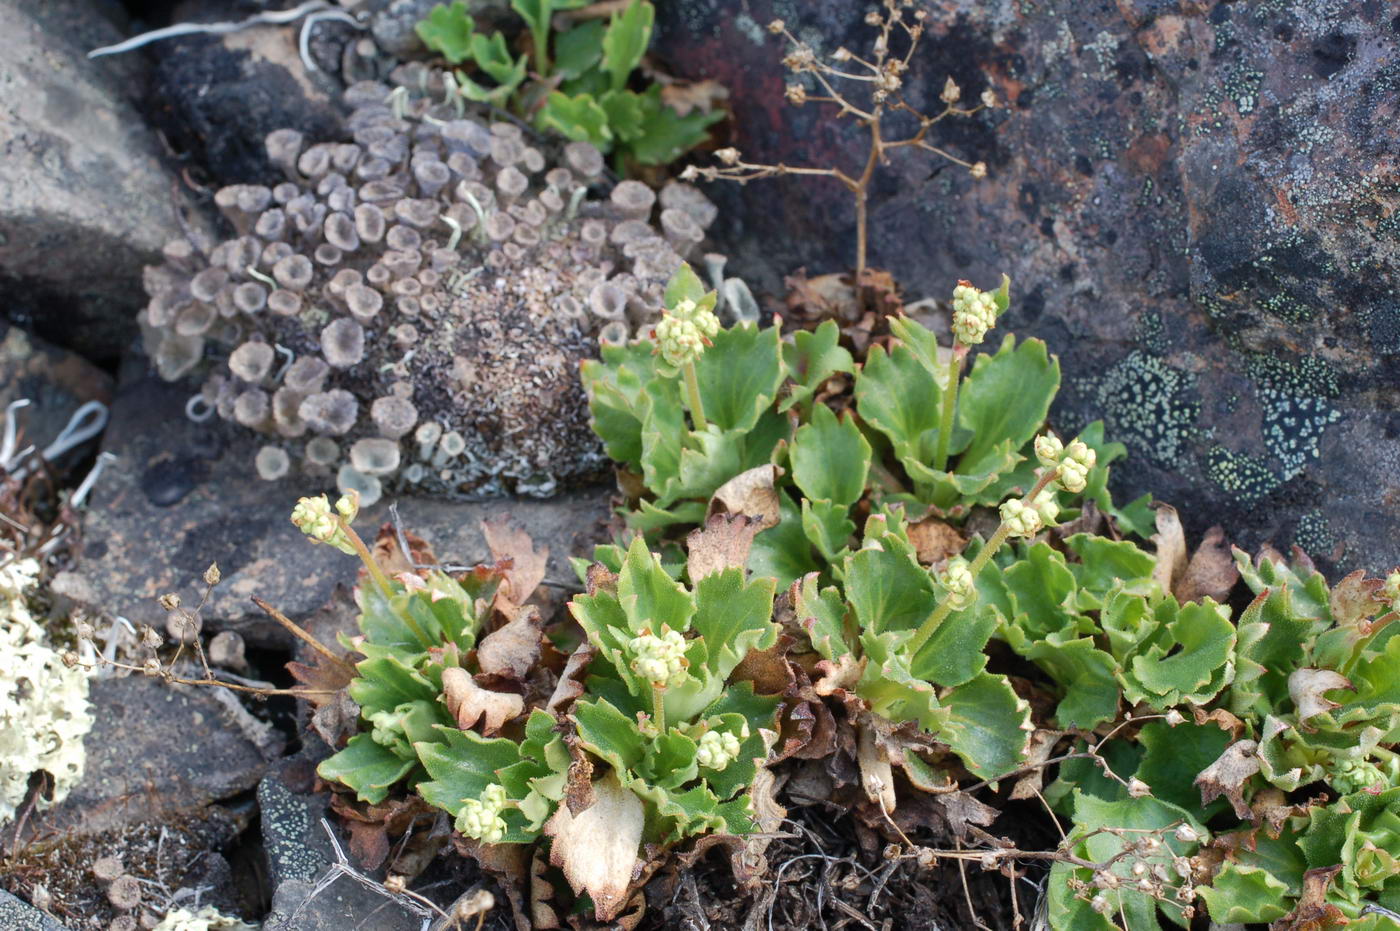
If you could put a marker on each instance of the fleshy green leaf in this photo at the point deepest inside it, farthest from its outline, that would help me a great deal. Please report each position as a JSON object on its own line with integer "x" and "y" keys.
{"x": 609, "y": 733}
{"x": 665, "y": 135}
{"x": 988, "y": 725}
{"x": 891, "y": 688}
{"x": 1005, "y": 397}
{"x": 626, "y": 114}
{"x": 579, "y": 118}
{"x": 888, "y": 591}
{"x": 733, "y": 617}
{"x": 811, "y": 358}
{"x": 827, "y": 526}
{"x": 578, "y": 49}
{"x": 830, "y": 458}
{"x": 366, "y": 767}
{"x": 448, "y": 31}
{"x": 822, "y": 614}
{"x": 1240, "y": 894}
{"x": 648, "y": 595}
{"x": 1193, "y": 665}
{"x": 955, "y": 653}
{"x": 625, "y": 41}
{"x": 783, "y": 551}
{"x": 896, "y": 395}
{"x": 739, "y": 376}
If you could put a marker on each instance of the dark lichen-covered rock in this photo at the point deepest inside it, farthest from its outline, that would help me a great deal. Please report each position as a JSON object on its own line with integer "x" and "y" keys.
{"x": 1197, "y": 204}
{"x": 408, "y": 306}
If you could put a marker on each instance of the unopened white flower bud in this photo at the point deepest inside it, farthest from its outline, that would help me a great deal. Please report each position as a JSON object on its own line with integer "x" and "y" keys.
{"x": 974, "y": 313}
{"x": 659, "y": 660}
{"x": 1021, "y": 519}
{"x": 956, "y": 579}
{"x": 717, "y": 749}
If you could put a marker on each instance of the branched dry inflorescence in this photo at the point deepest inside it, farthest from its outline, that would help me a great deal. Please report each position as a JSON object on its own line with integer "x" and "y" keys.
{"x": 409, "y": 306}
{"x": 881, "y": 78}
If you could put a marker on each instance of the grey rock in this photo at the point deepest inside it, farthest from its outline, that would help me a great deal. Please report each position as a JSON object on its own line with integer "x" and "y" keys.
{"x": 86, "y": 196}
{"x": 300, "y": 857}
{"x": 222, "y": 95}
{"x": 18, "y": 915}
{"x": 1194, "y": 203}
{"x": 154, "y": 747}
{"x": 54, "y": 381}
{"x": 183, "y": 495}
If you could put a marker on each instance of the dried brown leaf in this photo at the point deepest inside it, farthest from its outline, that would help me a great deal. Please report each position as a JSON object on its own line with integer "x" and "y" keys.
{"x": 1041, "y": 744}
{"x": 596, "y": 847}
{"x": 1314, "y": 912}
{"x": 963, "y": 811}
{"x": 1228, "y": 774}
{"x": 838, "y": 676}
{"x": 1306, "y": 688}
{"x": 512, "y": 651}
{"x": 935, "y": 540}
{"x": 1171, "y": 548}
{"x": 1220, "y": 718}
{"x": 527, "y": 564}
{"x": 469, "y": 703}
{"x": 1211, "y": 573}
{"x": 570, "y": 685}
{"x": 1355, "y": 598}
{"x": 723, "y": 543}
{"x": 684, "y": 96}
{"x": 751, "y": 493}
{"x": 389, "y": 556}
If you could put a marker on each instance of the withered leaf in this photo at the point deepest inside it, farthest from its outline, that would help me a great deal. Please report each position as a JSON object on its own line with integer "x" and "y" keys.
{"x": 684, "y": 96}
{"x": 1355, "y": 598}
{"x": 1041, "y": 743}
{"x": 469, "y": 703}
{"x": 935, "y": 540}
{"x": 723, "y": 543}
{"x": 1306, "y": 688}
{"x": 1228, "y": 774}
{"x": 1171, "y": 548}
{"x": 876, "y": 774}
{"x": 963, "y": 811}
{"x": 1211, "y": 573}
{"x": 839, "y": 676}
{"x": 527, "y": 564}
{"x": 512, "y": 650}
{"x": 1314, "y": 912}
{"x": 570, "y": 685}
{"x": 751, "y": 493}
{"x": 596, "y": 847}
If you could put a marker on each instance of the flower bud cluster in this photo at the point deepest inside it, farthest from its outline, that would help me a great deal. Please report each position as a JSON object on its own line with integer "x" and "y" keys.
{"x": 313, "y": 517}
{"x": 717, "y": 749}
{"x": 974, "y": 313}
{"x": 1351, "y": 775}
{"x": 1021, "y": 519}
{"x": 1074, "y": 461}
{"x": 660, "y": 660}
{"x": 956, "y": 579}
{"x": 684, "y": 332}
{"x": 481, "y": 817}
{"x": 1392, "y": 590}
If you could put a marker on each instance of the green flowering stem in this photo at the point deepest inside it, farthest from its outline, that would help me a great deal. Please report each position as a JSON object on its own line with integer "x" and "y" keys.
{"x": 950, "y": 403}
{"x": 692, "y": 388}
{"x": 945, "y": 607}
{"x": 381, "y": 581}
{"x": 658, "y": 707}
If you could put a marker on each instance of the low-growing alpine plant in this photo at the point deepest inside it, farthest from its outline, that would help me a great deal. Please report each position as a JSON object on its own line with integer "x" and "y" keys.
{"x": 650, "y": 720}
{"x": 573, "y": 82}
{"x": 1199, "y": 735}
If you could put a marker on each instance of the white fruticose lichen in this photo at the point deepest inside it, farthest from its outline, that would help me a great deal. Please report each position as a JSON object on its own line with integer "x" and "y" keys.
{"x": 44, "y": 711}
{"x": 207, "y": 918}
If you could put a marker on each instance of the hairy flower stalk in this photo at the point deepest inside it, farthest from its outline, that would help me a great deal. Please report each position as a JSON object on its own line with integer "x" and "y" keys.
{"x": 974, "y": 313}
{"x": 314, "y": 517}
{"x": 682, "y": 335}
{"x": 1019, "y": 517}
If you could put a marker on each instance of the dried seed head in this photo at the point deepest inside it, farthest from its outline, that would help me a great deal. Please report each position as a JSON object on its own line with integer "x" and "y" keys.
{"x": 951, "y": 92}
{"x": 169, "y": 601}
{"x": 978, "y": 170}
{"x": 211, "y": 575}
{"x": 776, "y": 26}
